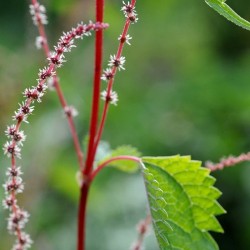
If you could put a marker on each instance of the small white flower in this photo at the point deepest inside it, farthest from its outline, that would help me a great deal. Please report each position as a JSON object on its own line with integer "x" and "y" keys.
{"x": 19, "y": 116}
{"x": 19, "y": 137}
{"x": 133, "y": 18}
{"x": 33, "y": 93}
{"x": 70, "y": 111}
{"x": 112, "y": 97}
{"x": 41, "y": 88}
{"x": 117, "y": 62}
{"x": 10, "y": 131}
{"x": 25, "y": 109}
{"x": 107, "y": 74}
{"x": 17, "y": 219}
{"x": 57, "y": 59}
{"x": 65, "y": 44}
{"x": 8, "y": 202}
{"x": 38, "y": 13}
{"x": 15, "y": 186}
{"x": 40, "y": 41}
{"x": 127, "y": 8}
{"x": 11, "y": 149}
{"x": 14, "y": 172}
{"x": 24, "y": 244}
{"x": 125, "y": 39}
{"x": 44, "y": 73}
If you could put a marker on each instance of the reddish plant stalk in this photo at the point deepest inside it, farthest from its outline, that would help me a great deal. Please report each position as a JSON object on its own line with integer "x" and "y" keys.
{"x": 42, "y": 32}
{"x": 12, "y": 148}
{"x": 116, "y": 158}
{"x": 93, "y": 127}
{"x": 228, "y": 162}
{"x": 95, "y": 135}
{"x": 96, "y": 87}
{"x": 84, "y": 195}
{"x": 111, "y": 82}
{"x": 82, "y": 216}
{"x": 59, "y": 91}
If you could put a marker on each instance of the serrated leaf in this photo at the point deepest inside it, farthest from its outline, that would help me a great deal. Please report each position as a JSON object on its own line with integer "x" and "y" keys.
{"x": 222, "y": 8}
{"x": 182, "y": 202}
{"x": 124, "y": 165}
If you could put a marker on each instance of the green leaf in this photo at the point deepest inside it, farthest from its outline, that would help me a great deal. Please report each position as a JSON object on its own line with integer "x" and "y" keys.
{"x": 104, "y": 153}
{"x": 124, "y": 165}
{"x": 183, "y": 202}
{"x": 222, "y": 8}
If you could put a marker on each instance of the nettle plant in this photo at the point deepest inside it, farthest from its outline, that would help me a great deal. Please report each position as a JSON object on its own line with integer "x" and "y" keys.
{"x": 181, "y": 195}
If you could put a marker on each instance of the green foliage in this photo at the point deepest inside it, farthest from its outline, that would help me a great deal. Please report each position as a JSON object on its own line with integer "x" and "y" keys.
{"x": 183, "y": 202}
{"x": 104, "y": 153}
{"x": 124, "y": 165}
{"x": 222, "y": 8}
{"x": 63, "y": 179}
{"x": 62, "y": 7}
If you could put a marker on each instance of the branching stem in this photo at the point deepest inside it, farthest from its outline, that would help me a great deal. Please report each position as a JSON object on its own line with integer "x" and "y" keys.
{"x": 96, "y": 88}
{"x": 110, "y": 84}
{"x": 60, "y": 94}
{"x": 116, "y": 158}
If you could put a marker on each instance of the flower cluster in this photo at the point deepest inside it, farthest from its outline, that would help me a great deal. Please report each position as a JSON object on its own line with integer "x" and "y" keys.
{"x": 129, "y": 12}
{"x": 12, "y": 148}
{"x": 40, "y": 41}
{"x": 38, "y": 13}
{"x": 66, "y": 42}
{"x": 70, "y": 111}
{"x": 228, "y": 162}
{"x": 111, "y": 97}
{"x": 125, "y": 39}
{"x": 18, "y": 217}
{"x": 117, "y": 61}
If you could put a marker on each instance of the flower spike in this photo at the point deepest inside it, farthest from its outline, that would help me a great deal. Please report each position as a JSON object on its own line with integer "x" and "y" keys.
{"x": 14, "y": 184}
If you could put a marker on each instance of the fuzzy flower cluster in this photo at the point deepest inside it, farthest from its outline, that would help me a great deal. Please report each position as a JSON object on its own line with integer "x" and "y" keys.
{"x": 12, "y": 148}
{"x": 112, "y": 97}
{"x": 40, "y": 41}
{"x": 38, "y": 13}
{"x": 70, "y": 111}
{"x": 117, "y": 61}
{"x": 129, "y": 12}
{"x": 17, "y": 217}
{"x": 228, "y": 162}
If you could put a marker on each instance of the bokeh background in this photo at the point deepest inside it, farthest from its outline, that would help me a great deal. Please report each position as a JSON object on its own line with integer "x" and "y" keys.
{"x": 185, "y": 91}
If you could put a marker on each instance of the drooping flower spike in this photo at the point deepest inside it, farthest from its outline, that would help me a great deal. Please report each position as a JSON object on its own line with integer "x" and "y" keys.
{"x": 14, "y": 183}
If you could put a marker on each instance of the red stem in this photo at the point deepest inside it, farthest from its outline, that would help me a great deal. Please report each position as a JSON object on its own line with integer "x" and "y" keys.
{"x": 116, "y": 158}
{"x": 82, "y": 217}
{"x": 93, "y": 126}
{"x": 110, "y": 85}
{"x": 96, "y": 88}
{"x": 71, "y": 124}
{"x": 42, "y": 32}
{"x": 60, "y": 94}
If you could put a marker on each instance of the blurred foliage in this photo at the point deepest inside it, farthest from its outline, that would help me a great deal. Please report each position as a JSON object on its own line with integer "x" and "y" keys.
{"x": 123, "y": 165}
{"x": 185, "y": 91}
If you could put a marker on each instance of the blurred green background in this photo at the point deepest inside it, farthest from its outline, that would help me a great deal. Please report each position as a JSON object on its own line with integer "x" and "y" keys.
{"x": 185, "y": 91}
